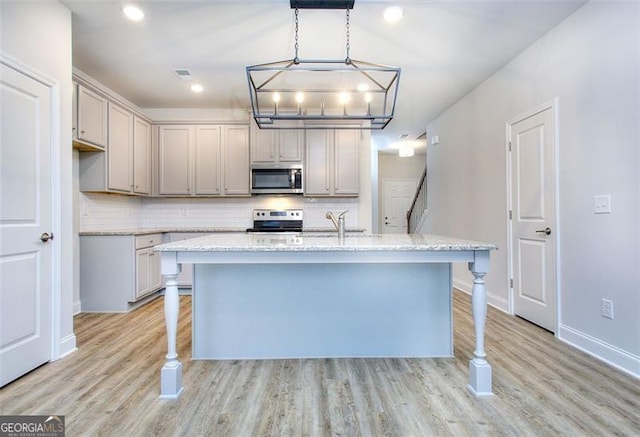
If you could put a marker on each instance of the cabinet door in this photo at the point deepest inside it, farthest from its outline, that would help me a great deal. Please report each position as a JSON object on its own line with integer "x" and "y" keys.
{"x": 142, "y": 272}
{"x": 119, "y": 150}
{"x": 290, "y": 145}
{"x": 92, "y": 117}
{"x": 174, "y": 150}
{"x": 346, "y": 162}
{"x": 155, "y": 277}
{"x": 263, "y": 143}
{"x": 141, "y": 156}
{"x": 236, "y": 160}
{"x": 318, "y": 149}
{"x": 207, "y": 160}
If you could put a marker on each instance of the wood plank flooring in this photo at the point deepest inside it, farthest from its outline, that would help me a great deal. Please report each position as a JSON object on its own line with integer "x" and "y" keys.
{"x": 110, "y": 387}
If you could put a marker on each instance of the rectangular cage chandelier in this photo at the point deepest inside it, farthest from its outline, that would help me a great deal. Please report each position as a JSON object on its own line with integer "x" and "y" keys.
{"x": 322, "y": 94}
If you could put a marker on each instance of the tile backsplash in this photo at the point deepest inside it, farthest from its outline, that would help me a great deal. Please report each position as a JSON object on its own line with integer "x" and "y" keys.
{"x": 114, "y": 212}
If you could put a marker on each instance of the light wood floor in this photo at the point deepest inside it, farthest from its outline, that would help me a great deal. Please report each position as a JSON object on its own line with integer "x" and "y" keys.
{"x": 110, "y": 387}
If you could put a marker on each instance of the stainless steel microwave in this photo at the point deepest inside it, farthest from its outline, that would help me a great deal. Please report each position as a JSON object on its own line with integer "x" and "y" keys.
{"x": 270, "y": 179}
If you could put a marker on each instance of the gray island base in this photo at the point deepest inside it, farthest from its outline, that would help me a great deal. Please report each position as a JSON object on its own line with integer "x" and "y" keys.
{"x": 266, "y": 296}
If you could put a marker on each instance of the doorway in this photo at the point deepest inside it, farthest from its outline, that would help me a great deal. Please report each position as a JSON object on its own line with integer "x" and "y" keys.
{"x": 397, "y": 195}
{"x": 532, "y": 143}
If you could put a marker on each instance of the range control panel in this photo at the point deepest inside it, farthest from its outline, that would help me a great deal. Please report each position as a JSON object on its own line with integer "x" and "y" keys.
{"x": 277, "y": 214}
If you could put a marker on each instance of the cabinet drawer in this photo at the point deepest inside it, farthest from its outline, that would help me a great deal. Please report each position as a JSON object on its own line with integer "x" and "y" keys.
{"x": 150, "y": 240}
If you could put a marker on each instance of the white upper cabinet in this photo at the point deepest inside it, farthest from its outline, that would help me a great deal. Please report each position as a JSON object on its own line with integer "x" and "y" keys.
{"x": 120, "y": 149}
{"x": 236, "y": 160}
{"x": 276, "y": 145}
{"x": 208, "y": 156}
{"x": 331, "y": 167}
{"x": 91, "y": 126}
{"x": 141, "y": 156}
{"x": 175, "y": 144}
{"x": 125, "y": 164}
{"x": 203, "y": 160}
{"x": 345, "y": 164}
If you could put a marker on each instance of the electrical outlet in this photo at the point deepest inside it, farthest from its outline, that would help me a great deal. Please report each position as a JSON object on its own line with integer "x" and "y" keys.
{"x": 602, "y": 204}
{"x": 607, "y": 308}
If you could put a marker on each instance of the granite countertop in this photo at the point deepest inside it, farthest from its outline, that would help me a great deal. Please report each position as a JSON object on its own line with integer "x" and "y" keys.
{"x": 147, "y": 231}
{"x": 318, "y": 242}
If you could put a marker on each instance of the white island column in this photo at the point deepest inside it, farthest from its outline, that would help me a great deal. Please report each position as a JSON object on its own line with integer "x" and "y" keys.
{"x": 171, "y": 373}
{"x": 479, "y": 369}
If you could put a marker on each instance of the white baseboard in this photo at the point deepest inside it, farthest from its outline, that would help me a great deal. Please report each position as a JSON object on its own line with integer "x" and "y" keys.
{"x": 68, "y": 345}
{"x": 612, "y": 355}
{"x": 493, "y": 300}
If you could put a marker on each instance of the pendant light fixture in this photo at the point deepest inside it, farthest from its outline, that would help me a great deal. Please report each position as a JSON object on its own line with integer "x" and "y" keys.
{"x": 322, "y": 94}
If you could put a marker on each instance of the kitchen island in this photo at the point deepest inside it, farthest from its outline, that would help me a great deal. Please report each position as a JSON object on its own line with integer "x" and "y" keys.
{"x": 270, "y": 296}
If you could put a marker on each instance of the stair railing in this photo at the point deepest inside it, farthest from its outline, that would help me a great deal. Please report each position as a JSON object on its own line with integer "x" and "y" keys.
{"x": 418, "y": 205}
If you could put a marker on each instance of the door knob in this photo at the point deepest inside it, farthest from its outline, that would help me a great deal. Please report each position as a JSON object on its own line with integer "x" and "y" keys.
{"x": 546, "y": 231}
{"x": 46, "y": 237}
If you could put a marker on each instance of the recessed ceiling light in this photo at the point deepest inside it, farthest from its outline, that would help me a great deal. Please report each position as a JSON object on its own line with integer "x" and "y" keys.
{"x": 197, "y": 88}
{"x": 392, "y": 14}
{"x": 133, "y": 13}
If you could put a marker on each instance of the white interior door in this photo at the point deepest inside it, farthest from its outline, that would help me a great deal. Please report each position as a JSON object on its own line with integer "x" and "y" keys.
{"x": 532, "y": 142}
{"x": 397, "y": 195}
{"x": 25, "y": 218}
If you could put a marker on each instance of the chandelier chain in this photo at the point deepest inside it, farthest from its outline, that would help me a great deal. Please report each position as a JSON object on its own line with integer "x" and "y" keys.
{"x": 295, "y": 59}
{"x": 348, "y": 60}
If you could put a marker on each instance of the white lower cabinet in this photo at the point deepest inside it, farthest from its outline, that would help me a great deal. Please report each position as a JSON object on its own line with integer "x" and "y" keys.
{"x": 148, "y": 277}
{"x": 117, "y": 272}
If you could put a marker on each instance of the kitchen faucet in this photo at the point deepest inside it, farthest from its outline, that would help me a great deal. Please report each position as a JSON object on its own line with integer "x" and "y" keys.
{"x": 338, "y": 223}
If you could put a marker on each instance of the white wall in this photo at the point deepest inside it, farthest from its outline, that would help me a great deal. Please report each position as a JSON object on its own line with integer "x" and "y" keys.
{"x": 38, "y": 34}
{"x": 590, "y": 62}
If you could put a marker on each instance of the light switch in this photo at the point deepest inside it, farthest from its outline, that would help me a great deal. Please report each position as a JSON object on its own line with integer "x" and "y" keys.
{"x": 602, "y": 204}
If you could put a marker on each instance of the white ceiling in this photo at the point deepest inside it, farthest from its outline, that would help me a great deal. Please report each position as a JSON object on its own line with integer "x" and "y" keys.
{"x": 445, "y": 48}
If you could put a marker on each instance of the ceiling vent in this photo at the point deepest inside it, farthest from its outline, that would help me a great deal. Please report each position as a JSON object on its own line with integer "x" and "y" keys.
{"x": 183, "y": 73}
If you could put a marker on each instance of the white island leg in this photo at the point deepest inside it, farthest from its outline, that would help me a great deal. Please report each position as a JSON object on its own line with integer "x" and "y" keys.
{"x": 171, "y": 373}
{"x": 479, "y": 369}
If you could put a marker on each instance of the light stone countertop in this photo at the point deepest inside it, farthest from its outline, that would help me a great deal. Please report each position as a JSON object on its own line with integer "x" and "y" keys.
{"x": 147, "y": 231}
{"x": 319, "y": 242}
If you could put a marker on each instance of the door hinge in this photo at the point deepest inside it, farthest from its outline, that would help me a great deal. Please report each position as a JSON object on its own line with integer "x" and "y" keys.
{"x": 510, "y": 214}
{"x": 511, "y": 283}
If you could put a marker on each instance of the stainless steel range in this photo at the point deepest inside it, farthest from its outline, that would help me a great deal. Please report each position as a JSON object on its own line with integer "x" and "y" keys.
{"x": 277, "y": 220}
